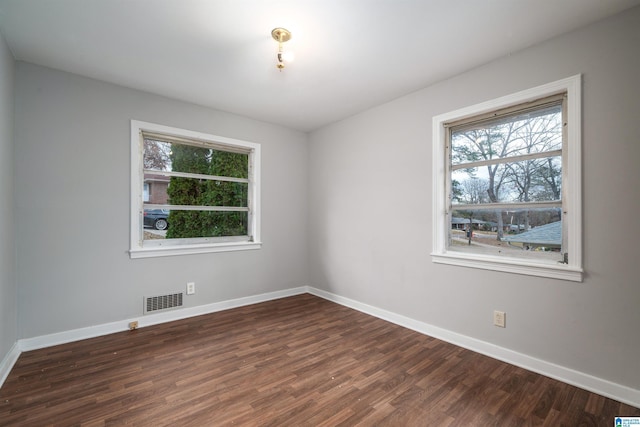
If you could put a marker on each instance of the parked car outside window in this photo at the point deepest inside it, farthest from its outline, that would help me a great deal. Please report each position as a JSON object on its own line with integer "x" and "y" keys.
{"x": 156, "y": 218}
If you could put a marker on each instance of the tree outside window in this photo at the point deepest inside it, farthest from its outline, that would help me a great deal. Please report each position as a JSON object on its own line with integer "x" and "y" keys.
{"x": 210, "y": 192}
{"x": 502, "y": 169}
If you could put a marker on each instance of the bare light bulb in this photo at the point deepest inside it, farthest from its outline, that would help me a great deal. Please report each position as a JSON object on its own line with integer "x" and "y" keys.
{"x": 288, "y": 56}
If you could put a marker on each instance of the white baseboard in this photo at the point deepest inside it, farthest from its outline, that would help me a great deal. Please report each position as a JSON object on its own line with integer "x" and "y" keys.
{"x": 597, "y": 385}
{"x": 50, "y": 340}
{"x": 585, "y": 381}
{"x": 7, "y": 363}
{"x": 150, "y": 319}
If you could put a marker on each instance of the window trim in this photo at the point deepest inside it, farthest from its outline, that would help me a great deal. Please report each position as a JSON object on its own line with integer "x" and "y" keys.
{"x": 137, "y": 249}
{"x": 572, "y": 185}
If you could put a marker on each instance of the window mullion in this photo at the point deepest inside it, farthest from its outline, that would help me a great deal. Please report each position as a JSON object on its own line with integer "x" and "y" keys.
{"x": 507, "y": 206}
{"x": 512, "y": 159}
{"x": 196, "y": 176}
{"x": 198, "y": 208}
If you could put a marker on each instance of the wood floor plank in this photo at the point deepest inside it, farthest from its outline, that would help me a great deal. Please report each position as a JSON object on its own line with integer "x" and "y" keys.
{"x": 299, "y": 361}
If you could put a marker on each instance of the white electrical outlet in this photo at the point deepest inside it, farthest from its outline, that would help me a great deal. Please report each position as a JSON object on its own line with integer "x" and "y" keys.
{"x": 191, "y": 288}
{"x": 499, "y": 318}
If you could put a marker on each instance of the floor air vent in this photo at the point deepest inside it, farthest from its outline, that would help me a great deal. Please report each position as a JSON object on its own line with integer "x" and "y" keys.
{"x": 162, "y": 302}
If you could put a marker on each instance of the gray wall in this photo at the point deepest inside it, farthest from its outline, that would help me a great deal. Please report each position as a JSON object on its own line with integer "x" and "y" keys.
{"x": 72, "y": 206}
{"x": 8, "y": 287}
{"x": 366, "y": 221}
{"x": 370, "y": 211}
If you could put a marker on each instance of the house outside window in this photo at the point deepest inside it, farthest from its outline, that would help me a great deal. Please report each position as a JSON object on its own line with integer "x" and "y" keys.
{"x": 192, "y": 192}
{"x": 156, "y": 188}
{"x": 507, "y": 183}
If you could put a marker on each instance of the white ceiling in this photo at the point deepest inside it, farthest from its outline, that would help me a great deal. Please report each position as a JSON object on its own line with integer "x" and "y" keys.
{"x": 350, "y": 54}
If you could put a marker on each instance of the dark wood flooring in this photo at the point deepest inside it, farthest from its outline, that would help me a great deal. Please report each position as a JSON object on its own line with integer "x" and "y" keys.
{"x": 298, "y": 361}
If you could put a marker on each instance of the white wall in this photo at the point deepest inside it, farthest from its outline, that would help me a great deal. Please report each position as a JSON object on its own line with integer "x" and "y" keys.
{"x": 8, "y": 288}
{"x": 370, "y": 211}
{"x": 72, "y": 206}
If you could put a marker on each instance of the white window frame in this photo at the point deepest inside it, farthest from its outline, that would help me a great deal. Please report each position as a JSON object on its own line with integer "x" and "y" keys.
{"x": 572, "y": 187}
{"x": 170, "y": 247}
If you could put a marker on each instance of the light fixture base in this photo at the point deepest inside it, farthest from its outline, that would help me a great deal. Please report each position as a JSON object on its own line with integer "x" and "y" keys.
{"x": 281, "y": 35}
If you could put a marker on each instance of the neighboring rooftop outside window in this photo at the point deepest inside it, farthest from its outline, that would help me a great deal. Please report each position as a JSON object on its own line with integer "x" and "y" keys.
{"x": 506, "y": 179}
{"x": 507, "y": 183}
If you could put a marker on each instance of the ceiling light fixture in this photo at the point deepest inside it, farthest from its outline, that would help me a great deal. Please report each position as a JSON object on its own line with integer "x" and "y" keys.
{"x": 282, "y": 36}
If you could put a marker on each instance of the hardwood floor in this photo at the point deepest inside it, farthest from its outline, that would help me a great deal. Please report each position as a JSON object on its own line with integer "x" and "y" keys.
{"x": 298, "y": 361}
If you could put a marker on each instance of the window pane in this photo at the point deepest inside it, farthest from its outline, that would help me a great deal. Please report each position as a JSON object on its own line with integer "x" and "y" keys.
{"x": 533, "y": 132}
{"x": 156, "y": 219}
{"x": 174, "y": 157}
{"x": 194, "y": 224}
{"x": 235, "y": 165}
{"x": 534, "y": 180}
{"x": 155, "y": 189}
{"x": 202, "y": 192}
{"x": 185, "y": 224}
{"x": 532, "y": 234}
{"x": 157, "y": 155}
{"x": 187, "y": 158}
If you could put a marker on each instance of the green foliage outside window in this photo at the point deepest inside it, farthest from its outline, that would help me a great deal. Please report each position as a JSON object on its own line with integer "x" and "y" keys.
{"x": 206, "y": 192}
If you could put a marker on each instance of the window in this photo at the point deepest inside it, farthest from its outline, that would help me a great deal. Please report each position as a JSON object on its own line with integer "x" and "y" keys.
{"x": 145, "y": 192}
{"x": 192, "y": 192}
{"x": 507, "y": 192}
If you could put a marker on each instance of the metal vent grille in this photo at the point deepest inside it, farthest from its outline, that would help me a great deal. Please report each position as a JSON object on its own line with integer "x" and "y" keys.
{"x": 162, "y": 302}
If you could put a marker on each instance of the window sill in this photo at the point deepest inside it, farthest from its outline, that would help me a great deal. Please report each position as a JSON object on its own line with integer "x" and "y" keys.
{"x": 152, "y": 252}
{"x": 554, "y": 271}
